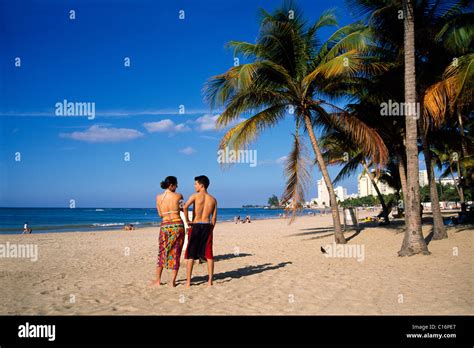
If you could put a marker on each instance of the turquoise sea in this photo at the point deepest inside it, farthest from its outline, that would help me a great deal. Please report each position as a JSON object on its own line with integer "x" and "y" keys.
{"x": 87, "y": 219}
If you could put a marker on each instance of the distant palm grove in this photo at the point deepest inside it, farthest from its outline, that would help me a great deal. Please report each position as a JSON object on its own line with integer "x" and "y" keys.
{"x": 377, "y": 94}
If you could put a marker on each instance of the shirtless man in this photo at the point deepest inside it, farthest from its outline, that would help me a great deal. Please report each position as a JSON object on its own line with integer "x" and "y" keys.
{"x": 200, "y": 232}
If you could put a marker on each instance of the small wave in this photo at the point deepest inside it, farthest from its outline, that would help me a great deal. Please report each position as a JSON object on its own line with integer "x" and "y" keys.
{"x": 109, "y": 224}
{"x": 99, "y": 210}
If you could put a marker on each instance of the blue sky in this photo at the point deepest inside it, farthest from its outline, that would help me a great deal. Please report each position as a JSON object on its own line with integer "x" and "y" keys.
{"x": 137, "y": 107}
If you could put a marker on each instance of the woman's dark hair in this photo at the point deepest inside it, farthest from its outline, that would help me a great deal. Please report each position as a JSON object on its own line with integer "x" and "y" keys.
{"x": 170, "y": 180}
{"x": 203, "y": 180}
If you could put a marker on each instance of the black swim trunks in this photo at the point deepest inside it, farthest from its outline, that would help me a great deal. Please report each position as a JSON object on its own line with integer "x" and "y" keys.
{"x": 199, "y": 242}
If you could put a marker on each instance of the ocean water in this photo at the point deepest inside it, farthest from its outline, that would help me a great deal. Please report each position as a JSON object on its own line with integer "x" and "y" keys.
{"x": 87, "y": 219}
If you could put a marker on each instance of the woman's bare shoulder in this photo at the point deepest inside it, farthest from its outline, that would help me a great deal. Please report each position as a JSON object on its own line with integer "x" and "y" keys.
{"x": 177, "y": 195}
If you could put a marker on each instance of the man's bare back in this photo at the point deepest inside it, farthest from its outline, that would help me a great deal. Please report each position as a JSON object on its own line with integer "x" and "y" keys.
{"x": 204, "y": 206}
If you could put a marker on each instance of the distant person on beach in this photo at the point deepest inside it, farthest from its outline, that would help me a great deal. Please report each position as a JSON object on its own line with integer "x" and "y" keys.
{"x": 129, "y": 227}
{"x": 171, "y": 238}
{"x": 247, "y": 219}
{"x": 26, "y": 229}
{"x": 201, "y": 228}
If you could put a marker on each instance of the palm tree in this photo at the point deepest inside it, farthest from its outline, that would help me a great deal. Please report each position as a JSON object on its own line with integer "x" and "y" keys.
{"x": 338, "y": 150}
{"x": 447, "y": 99}
{"x": 413, "y": 241}
{"x": 439, "y": 230}
{"x": 442, "y": 26}
{"x": 447, "y": 144}
{"x": 291, "y": 69}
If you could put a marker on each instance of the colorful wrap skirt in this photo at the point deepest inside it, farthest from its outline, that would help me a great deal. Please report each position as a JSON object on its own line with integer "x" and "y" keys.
{"x": 170, "y": 244}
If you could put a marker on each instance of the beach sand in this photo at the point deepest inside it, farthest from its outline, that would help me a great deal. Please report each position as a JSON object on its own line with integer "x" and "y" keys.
{"x": 266, "y": 267}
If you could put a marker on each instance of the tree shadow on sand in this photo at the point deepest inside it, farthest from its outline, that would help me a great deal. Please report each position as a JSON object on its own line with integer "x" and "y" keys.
{"x": 395, "y": 224}
{"x": 429, "y": 237}
{"x": 316, "y": 230}
{"x": 229, "y": 256}
{"x": 466, "y": 227}
{"x": 240, "y": 272}
{"x": 323, "y": 232}
{"x": 356, "y": 231}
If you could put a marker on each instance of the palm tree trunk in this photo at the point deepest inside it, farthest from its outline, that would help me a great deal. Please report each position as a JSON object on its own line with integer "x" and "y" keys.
{"x": 413, "y": 242}
{"x": 338, "y": 234}
{"x": 461, "y": 130}
{"x": 385, "y": 211}
{"x": 439, "y": 230}
{"x": 461, "y": 171}
{"x": 458, "y": 187}
{"x": 403, "y": 182}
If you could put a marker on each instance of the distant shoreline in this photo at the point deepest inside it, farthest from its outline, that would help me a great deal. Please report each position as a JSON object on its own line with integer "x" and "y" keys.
{"x": 66, "y": 220}
{"x": 138, "y": 227}
{"x": 50, "y": 220}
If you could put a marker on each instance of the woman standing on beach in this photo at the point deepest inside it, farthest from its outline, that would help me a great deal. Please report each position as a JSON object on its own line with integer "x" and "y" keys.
{"x": 171, "y": 239}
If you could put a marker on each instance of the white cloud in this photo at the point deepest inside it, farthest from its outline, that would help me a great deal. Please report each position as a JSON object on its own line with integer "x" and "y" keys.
{"x": 280, "y": 161}
{"x": 165, "y": 126}
{"x": 188, "y": 150}
{"x": 208, "y": 122}
{"x": 98, "y": 134}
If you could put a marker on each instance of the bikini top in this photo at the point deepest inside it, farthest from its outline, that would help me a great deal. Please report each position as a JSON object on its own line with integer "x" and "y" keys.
{"x": 181, "y": 202}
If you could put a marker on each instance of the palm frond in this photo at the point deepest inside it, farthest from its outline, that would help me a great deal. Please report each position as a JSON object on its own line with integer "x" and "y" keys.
{"x": 298, "y": 175}
{"x": 363, "y": 136}
{"x": 457, "y": 33}
{"x": 455, "y": 88}
{"x": 247, "y": 131}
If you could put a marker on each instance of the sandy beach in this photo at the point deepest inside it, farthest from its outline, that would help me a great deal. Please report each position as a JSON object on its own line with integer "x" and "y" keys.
{"x": 267, "y": 267}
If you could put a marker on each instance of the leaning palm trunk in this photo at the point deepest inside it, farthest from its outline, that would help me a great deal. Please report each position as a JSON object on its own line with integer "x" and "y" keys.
{"x": 413, "y": 242}
{"x": 464, "y": 155}
{"x": 403, "y": 182}
{"x": 439, "y": 231}
{"x": 385, "y": 211}
{"x": 463, "y": 136}
{"x": 338, "y": 234}
{"x": 460, "y": 189}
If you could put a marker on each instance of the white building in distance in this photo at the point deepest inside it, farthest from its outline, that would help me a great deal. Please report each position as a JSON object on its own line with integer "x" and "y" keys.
{"x": 323, "y": 194}
{"x": 365, "y": 187}
{"x": 341, "y": 193}
{"x": 423, "y": 178}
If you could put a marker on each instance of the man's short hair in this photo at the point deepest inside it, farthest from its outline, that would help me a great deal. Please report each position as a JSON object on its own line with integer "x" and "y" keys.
{"x": 203, "y": 180}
